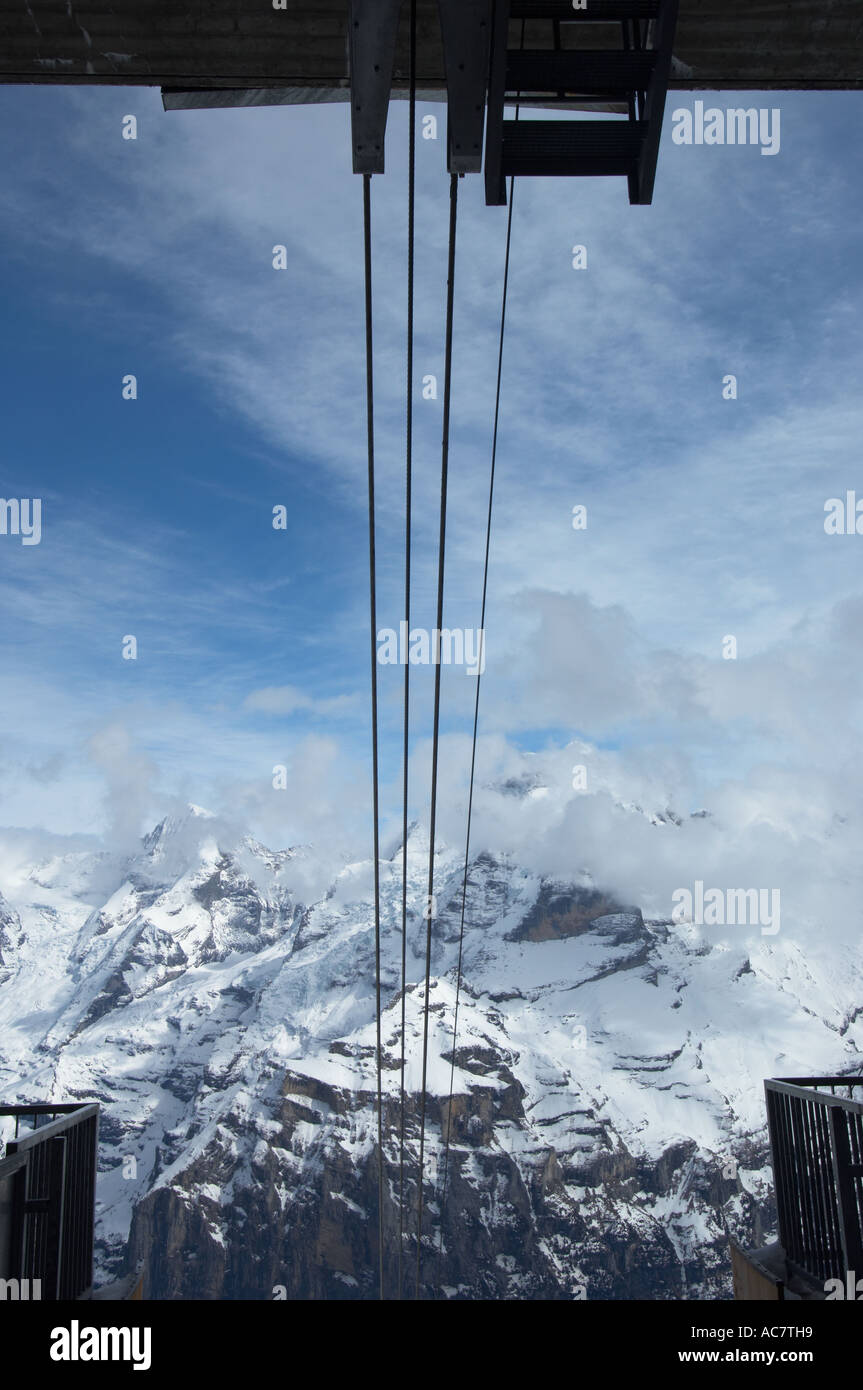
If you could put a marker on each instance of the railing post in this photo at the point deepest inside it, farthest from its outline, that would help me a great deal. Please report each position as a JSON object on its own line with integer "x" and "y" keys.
{"x": 54, "y": 1215}
{"x": 90, "y": 1224}
{"x": 777, "y": 1151}
{"x": 14, "y": 1267}
{"x": 849, "y": 1224}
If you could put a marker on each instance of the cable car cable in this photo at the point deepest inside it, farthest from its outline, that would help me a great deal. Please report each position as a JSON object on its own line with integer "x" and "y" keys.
{"x": 475, "y": 725}
{"x": 367, "y": 238}
{"x": 408, "y": 486}
{"x": 436, "y": 724}
{"x": 476, "y": 704}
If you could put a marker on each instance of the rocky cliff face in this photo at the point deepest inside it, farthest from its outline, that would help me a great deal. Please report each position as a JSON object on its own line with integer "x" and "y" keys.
{"x": 606, "y": 1130}
{"x": 538, "y": 1227}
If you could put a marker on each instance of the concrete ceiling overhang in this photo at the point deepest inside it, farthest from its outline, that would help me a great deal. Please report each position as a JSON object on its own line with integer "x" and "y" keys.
{"x": 257, "y": 54}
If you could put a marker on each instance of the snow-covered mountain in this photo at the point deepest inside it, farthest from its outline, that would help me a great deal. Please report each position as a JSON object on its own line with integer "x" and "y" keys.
{"x": 607, "y": 1129}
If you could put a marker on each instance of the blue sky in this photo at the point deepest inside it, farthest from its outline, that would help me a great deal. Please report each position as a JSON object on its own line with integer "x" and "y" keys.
{"x": 705, "y": 516}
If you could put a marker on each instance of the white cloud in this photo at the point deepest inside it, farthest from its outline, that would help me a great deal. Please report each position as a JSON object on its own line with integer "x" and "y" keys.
{"x": 289, "y": 699}
{"x": 129, "y": 775}
{"x": 705, "y": 517}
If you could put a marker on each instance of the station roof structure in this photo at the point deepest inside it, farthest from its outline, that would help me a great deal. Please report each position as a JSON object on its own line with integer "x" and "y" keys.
{"x": 231, "y": 53}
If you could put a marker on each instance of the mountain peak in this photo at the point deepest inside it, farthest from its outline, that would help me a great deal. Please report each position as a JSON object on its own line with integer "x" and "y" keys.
{"x": 174, "y": 825}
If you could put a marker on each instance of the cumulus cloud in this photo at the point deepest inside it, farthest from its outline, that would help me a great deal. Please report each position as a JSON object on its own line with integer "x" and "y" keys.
{"x": 129, "y": 775}
{"x": 565, "y": 661}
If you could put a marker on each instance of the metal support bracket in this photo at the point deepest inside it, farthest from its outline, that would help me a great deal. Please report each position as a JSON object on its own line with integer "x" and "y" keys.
{"x": 663, "y": 31}
{"x": 373, "y": 32}
{"x": 495, "y": 184}
{"x": 466, "y": 32}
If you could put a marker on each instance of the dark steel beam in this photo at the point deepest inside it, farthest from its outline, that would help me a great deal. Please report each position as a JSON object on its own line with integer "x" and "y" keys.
{"x": 733, "y": 44}
{"x": 654, "y": 109}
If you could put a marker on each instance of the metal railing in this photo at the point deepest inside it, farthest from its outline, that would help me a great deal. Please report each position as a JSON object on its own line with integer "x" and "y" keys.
{"x": 817, "y": 1140}
{"x": 48, "y": 1201}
